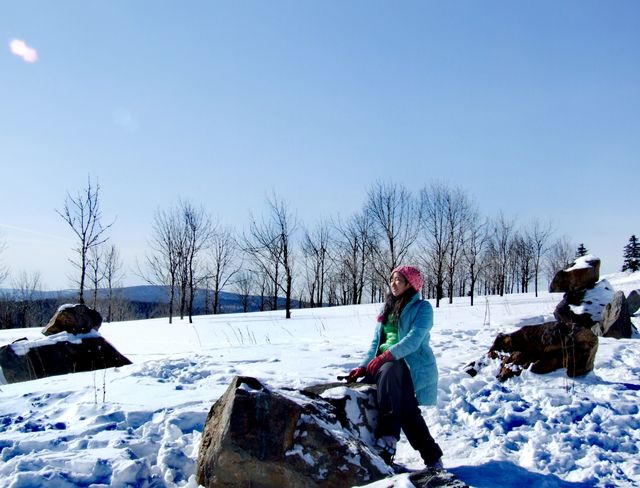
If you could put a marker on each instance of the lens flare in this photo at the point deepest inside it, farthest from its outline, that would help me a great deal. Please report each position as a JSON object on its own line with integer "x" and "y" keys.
{"x": 21, "y": 49}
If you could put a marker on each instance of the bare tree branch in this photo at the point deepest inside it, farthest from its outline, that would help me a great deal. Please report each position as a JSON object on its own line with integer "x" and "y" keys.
{"x": 83, "y": 215}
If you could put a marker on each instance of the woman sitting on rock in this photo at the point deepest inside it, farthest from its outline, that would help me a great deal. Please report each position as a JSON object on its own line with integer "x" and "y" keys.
{"x": 402, "y": 365}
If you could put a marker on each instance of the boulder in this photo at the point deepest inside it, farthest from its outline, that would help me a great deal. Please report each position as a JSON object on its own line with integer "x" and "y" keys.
{"x": 633, "y": 301}
{"x": 582, "y": 274}
{"x": 321, "y": 436}
{"x": 74, "y": 319}
{"x": 584, "y": 308}
{"x": 544, "y": 348}
{"x": 616, "y": 321}
{"x": 256, "y": 437}
{"x": 62, "y": 353}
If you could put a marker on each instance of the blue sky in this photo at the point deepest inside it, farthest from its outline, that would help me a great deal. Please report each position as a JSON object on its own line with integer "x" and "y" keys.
{"x": 530, "y": 107}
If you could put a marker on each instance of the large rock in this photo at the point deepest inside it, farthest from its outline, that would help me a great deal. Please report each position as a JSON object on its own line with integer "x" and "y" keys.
{"x": 545, "y": 348}
{"x": 582, "y": 274}
{"x": 256, "y": 437}
{"x": 616, "y": 321}
{"x": 584, "y": 307}
{"x": 633, "y": 301}
{"x": 74, "y": 319}
{"x": 55, "y": 355}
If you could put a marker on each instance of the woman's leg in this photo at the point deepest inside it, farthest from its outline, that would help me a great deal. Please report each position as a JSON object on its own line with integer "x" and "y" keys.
{"x": 413, "y": 424}
{"x": 389, "y": 383}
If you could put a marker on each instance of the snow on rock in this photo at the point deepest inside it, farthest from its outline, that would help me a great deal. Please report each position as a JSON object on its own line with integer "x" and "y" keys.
{"x": 22, "y": 347}
{"x": 595, "y": 300}
{"x": 582, "y": 262}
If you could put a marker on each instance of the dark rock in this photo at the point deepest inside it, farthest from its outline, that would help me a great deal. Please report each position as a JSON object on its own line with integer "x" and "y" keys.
{"x": 633, "y": 301}
{"x": 616, "y": 321}
{"x": 29, "y": 360}
{"x": 584, "y": 308}
{"x": 582, "y": 274}
{"x": 434, "y": 478}
{"x": 256, "y": 437}
{"x": 564, "y": 313}
{"x": 545, "y": 348}
{"x": 321, "y": 436}
{"x": 74, "y": 319}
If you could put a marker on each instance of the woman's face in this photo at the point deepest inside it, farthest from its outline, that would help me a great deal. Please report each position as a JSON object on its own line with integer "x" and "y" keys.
{"x": 398, "y": 284}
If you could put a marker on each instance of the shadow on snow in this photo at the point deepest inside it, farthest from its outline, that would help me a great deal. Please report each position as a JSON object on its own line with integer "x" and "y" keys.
{"x": 508, "y": 475}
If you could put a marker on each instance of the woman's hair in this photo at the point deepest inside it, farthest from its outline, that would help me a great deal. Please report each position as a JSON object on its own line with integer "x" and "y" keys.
{"x": 394, "y": 305}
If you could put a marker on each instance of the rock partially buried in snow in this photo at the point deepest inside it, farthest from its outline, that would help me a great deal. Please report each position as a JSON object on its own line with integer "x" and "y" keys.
{"x": 72, "y": 345}
{"x": 62, "y": 353}
{"x": 545, "y": 348}
{"x": 616, "y": 321}
{"x": 258, "y": 437}
{"x": 633, "y": 301}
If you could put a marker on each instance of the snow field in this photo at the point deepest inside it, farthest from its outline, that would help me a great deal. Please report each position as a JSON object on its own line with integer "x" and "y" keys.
{"x": 141, "y": 425}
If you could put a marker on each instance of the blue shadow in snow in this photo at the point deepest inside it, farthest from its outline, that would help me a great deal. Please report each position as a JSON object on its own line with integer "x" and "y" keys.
{"x": 508, "y": 475}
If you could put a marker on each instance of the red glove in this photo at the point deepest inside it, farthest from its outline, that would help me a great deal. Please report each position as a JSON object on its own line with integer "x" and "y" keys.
{"x": 375, "y": 364}
{"x": 354, "y": 374}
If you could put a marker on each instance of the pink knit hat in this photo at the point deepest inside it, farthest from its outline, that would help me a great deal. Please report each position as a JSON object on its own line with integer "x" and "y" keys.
{"x": 412, "y": 275}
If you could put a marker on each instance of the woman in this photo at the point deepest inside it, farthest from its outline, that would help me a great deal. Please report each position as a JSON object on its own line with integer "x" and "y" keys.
{"x": 403, "y": 366}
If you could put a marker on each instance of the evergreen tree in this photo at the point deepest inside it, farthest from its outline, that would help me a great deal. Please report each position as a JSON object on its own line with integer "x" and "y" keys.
{"x": 582, "y": 251}
{"x": 632, "y": 255}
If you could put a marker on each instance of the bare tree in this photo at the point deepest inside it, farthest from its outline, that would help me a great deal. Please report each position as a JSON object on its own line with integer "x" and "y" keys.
{"x": 355, "y": 242}
{"x": 95, "y": 272}
{"x": 560, "y": 255}
{"x": 316, "y": 251}
{"x": 113, "y": 275}
{"x": 538, "y": 236}
{"x": 395, "y": 217}
{"x": 286, "y": 225}
{"x": 459, "y": 214}
{"x": 434, "y": 202}
{"x": 270, "y": 248}
{"x": 82, "y": 213}
{"x": 263, "y": 251}
{"x": 197, "y": 232}
{"x": 501, "y": 240}
{"x": 243, "y": 286}
{"x": 163, "y": 264}
{"x": 25, "y": 288}
{"x": 473, "y": 253}
{"x": 222, "y": 263}
{"x": 523, "y": 255}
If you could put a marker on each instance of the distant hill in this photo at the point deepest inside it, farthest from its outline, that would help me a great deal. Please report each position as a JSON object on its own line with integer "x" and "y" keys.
{"x": 154, "y": 294}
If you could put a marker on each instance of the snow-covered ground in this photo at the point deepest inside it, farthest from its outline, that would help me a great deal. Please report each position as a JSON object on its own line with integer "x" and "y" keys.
{"x": 141, "y": 425}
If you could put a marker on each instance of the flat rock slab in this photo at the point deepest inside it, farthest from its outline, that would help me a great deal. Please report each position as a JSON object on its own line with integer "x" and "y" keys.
{"x": 63, "y": 353}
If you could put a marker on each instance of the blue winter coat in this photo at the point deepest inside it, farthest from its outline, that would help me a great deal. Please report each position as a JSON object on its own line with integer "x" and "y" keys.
{"x": 414, "y": 329}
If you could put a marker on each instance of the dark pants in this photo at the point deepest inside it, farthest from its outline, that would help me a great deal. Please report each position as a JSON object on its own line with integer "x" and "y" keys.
{"x": 398, "y": 409}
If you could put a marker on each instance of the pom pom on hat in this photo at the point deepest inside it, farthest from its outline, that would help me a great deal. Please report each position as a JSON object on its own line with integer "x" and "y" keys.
{"x": 412, "y": 275}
